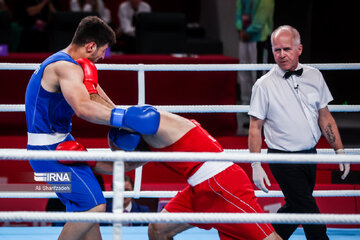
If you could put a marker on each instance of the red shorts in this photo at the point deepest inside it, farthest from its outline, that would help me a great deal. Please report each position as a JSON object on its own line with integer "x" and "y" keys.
{"x": 228, "y": 191}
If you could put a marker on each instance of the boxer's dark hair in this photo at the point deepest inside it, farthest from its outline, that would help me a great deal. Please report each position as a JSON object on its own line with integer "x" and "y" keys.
{"x": 94, "y": 29}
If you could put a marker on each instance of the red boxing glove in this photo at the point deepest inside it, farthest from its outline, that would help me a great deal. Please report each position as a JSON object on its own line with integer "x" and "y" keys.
{"x": 73, "y": 146}
{"x": 90, "y": 74}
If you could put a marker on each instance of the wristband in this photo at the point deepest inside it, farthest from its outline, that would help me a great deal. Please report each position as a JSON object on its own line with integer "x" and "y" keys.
{"x": 117, "y": 117}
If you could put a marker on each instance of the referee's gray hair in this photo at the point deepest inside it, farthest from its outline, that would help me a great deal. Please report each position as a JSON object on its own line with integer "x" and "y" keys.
{"x": 292, "y": 30}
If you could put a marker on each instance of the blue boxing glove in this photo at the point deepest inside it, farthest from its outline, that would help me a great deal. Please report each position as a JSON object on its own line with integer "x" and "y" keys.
{"x": 144, "y": 119}
{"x": 124, "y": 139}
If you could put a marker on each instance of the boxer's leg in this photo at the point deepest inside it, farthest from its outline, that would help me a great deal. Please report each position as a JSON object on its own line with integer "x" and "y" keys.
{"x": 85, "y": 231}
{"x": 166, "y": 231}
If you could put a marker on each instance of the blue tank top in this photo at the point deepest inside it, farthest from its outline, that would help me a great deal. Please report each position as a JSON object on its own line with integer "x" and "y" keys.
{"x": 47, "y": 112}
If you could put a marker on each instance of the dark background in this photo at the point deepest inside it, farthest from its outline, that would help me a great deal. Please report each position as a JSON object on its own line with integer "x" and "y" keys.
{"x": 328, "y": 29}
{"x": 329, "y": 35}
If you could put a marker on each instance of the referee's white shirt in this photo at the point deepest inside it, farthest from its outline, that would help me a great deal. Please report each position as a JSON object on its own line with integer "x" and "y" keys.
{"x": 281, "y": 102}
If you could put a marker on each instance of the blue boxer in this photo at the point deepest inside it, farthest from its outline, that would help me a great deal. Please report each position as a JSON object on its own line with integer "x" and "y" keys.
{"x": 48, "y": 118}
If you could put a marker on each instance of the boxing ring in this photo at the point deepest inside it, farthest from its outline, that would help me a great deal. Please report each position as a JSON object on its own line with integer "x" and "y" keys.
{"x": 117, "y": 218}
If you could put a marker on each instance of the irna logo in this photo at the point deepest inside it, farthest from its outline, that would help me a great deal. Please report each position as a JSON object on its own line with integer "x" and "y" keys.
{"x": 53, "y": 177}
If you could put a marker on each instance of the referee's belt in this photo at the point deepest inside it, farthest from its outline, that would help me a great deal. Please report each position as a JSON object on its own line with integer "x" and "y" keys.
{"x": 311, "y": 150}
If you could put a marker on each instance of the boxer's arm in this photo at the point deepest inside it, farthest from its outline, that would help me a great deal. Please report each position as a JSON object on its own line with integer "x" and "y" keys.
{"x": 71, "y": 84}
{"x": 97, "y": 98}
{"x": 105, "y": 168}
{"x": 143, "y": 119}
{"x": 91, "y": 80}
{"x": 104, "y": 96}
{"x": 133, "y": 165}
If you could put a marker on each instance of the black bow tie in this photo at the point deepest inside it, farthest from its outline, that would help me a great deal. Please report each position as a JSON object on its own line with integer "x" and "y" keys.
{"x": 297, "y": 73}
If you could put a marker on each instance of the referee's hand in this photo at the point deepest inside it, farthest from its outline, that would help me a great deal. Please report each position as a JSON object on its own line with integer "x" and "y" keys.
{"x": 259, "y": 177}
{"x": 344, "y": 167}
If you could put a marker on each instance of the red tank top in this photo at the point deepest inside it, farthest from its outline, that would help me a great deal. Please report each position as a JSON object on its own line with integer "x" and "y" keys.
{"x": 195, "y": 140}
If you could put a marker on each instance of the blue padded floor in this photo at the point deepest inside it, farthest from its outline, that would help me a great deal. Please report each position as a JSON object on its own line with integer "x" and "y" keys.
{"x": 140, "y": 233}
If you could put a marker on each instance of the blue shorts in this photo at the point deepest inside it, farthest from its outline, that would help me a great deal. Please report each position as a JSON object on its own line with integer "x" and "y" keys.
{"x": 86, "y": 192}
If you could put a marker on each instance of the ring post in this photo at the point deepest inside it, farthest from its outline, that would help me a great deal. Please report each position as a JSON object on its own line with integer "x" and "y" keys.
{"x": 141, "y": 100}
{"x": 118, "y": 197}
{"x": 141, "y": 85}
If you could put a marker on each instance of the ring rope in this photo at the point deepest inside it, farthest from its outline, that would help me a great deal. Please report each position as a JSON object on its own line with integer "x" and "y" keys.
{"x": 218, "y": 67}
{"x": 181, "y": 217}
{"x": 187, "y": 67}
{"x": 349, "y": 151}
{"x": 43, "y": 155}
{"x": 319, "y": 150}
{"x": 170, "y": 194}
{"x": 353, "y": 151}
{"x": 195, "y": 108}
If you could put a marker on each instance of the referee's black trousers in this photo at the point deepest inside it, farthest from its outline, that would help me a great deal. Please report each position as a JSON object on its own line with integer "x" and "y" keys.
{"x": 297, "y": 182}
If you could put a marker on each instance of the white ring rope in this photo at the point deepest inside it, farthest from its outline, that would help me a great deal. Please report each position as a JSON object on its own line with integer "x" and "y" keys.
{"x": 238, "y": 108}
{"x": 181, "y": 217}
{"x": 319, "y": 150}
{"x": 186, "y": 108}
{"x": 19, "y": 154}
{"x": 187, "y": 67}
{"x": 43, "y": 155}
{"x": 353, "y": 151}
{"x": 12, "y": 107}
{"x": 195, "y": 108}
{"x": 171, "y": 194}
{"x": 19, "y": 66}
